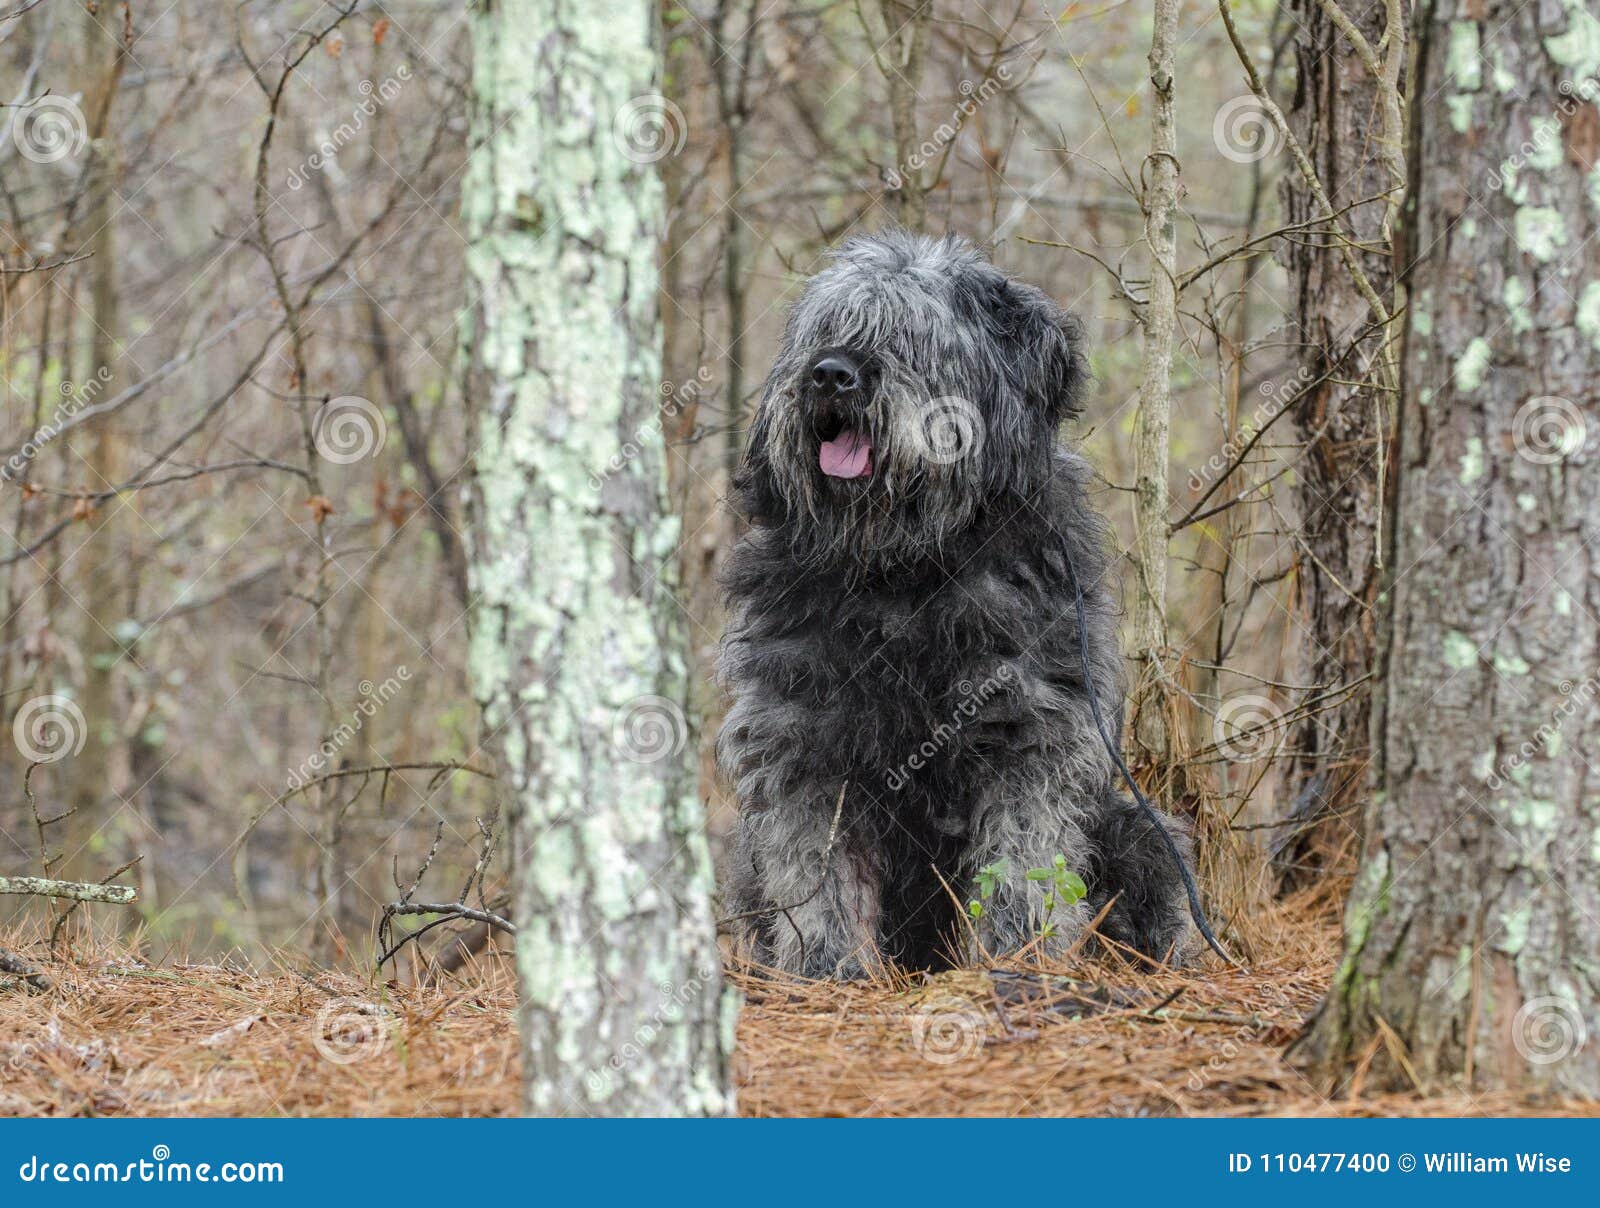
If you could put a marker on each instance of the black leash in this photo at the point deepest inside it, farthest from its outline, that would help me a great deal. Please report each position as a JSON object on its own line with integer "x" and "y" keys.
{"x": 1195, "y": 910}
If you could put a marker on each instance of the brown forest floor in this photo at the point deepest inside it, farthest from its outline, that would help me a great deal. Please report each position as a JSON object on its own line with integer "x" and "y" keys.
{"x": 115, "y": 1037}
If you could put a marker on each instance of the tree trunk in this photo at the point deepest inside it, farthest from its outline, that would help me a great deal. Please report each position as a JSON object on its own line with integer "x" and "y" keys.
{"x": 99, "y": 771}
{"x": 900, "y": 54}
{"x": 732, "y": 63}
{"x": 1472, "y": 952}
{"x": 577, "y": 644}
{"x": 1344, "y": 420}
{"x": 1152, "y": 424}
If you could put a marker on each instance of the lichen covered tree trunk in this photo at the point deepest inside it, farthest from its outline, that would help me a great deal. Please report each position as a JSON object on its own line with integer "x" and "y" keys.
{"x": 577, "y": 644}
{"x": 1472, "y": 951}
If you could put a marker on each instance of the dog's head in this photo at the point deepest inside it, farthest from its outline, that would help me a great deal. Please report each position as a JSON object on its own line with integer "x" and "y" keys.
{"x": 916, "y": 385}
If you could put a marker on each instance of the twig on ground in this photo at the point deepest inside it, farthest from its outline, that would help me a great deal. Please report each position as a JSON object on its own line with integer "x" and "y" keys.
{"x": 484, "y": 915}
{"x": 1013, "y": 1033}
{"x": 448, "y": 912}
{"x": 42, "y": 887}
{"x": 456, "y": 910}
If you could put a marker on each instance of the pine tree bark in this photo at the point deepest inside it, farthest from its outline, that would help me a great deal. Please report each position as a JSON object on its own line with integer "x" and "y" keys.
{"x": 1344, "y": 418}
{"x": 1472, "y": 954}
{"x": 577, "y": 644}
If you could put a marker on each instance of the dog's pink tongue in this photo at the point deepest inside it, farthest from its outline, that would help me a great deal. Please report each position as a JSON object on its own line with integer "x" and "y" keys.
{"x": 847, "y": 455}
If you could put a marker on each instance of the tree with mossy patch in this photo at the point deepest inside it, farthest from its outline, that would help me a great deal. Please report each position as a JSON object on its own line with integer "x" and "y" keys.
{"x": 577, "y": 643}
{"x": 1472, "y": 935}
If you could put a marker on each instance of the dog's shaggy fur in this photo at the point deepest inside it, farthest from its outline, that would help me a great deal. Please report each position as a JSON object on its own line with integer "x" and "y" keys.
{"x": 902, "y": 630}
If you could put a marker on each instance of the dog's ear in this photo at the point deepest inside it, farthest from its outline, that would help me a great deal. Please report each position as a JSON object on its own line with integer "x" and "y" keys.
{"x": 1050, "y": 369}
{"x": 1040, "y": 347}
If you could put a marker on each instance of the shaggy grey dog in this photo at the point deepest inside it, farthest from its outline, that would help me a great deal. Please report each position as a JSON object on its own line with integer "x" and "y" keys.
{"x": 911, "y": 728}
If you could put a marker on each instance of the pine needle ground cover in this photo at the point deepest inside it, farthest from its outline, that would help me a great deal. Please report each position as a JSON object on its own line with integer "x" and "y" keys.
{"x": 115, "y": 1036}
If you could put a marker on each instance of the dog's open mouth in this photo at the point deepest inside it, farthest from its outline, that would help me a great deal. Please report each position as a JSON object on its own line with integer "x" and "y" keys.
{"x": 847, "y": 455}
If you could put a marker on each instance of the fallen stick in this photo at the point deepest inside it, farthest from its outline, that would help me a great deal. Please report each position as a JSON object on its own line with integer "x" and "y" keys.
{"x": 449, "y": 912}
{"x": 455, "y": 910}
{"x": 40, "y": 887}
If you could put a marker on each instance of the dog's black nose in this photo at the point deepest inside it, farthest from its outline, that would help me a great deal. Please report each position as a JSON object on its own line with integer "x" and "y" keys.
{"x": 836, "y": 374}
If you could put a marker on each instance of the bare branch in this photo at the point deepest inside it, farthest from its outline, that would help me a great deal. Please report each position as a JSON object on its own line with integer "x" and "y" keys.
{"x": 42, "y": 887}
